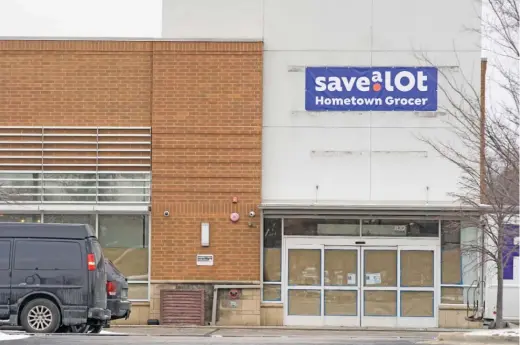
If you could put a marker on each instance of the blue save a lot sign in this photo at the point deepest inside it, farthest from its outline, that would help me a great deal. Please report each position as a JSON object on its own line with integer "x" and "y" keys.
{"x": 371, "y": 89}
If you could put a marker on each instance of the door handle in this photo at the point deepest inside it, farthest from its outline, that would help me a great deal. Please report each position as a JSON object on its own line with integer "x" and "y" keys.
{"x": 22, "y": 284}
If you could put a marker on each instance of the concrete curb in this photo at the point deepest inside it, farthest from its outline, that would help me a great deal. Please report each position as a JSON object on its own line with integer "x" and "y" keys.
{"x": 41, "y": 335}
{"x": 292, "y": 328}
{"x": 485, "y": 339}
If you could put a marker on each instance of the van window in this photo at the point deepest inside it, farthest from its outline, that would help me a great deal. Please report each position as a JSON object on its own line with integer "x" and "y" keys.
{"x": 5, "y": 254}
{"x": 47, "y": 255}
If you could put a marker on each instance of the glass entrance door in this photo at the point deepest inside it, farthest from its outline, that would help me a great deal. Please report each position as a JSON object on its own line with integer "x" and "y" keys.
{"x": 322, "y": 286}
{"x": 341, "y": 286}
{"x": 304, "y": 306}
{"x": 418, "y": 278}
{"x": 353, "y": 286}
{"x": 379, "y": 287}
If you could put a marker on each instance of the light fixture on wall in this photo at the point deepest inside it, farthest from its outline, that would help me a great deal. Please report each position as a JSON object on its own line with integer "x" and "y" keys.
{"x": 204, "y": 234}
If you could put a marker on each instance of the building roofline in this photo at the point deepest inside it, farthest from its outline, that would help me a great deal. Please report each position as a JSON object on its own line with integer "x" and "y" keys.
{"x": 136, "y": 39}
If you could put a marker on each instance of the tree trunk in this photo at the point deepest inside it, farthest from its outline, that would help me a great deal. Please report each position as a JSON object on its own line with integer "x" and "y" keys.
{"x": 499, "y": 323}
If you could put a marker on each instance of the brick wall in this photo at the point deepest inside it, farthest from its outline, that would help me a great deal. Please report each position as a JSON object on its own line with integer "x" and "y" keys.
{"x": 207, "y": 107}
{"x": 75, "y": 83}
{"x": 203, "y": 101}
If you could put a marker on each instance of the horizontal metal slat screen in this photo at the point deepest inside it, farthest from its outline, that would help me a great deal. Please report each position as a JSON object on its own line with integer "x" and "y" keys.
{"x": 75, "y": 164}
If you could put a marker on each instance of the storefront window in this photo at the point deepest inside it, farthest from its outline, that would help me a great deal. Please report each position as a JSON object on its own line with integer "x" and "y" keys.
{"x": 400, "y": 228}
{"x": 321, "y": 227}
{"x": 20, "y": 218}
{"x": 118, "y": 187}
{"x": 124, "y": 239}
{"x": 138, "y": 291}
{"x": 459, "y": 262}
{"x": 89, "y": 219}
{"x": 60, "y": 187}
{"x": 20, "y": 186}
{"x": 272, "y": 270}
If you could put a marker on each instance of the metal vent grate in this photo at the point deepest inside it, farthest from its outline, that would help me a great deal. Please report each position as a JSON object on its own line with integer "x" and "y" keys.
{"x": 182, "y": 307}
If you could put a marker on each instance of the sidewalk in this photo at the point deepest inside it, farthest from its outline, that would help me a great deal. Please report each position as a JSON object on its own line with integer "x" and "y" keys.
{"x": 491, "y": 336}
{"x": 231, "y": 331}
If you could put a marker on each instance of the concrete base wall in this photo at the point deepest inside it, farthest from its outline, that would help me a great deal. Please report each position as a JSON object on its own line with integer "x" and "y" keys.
{"x": 139, "y": 316}
{"x": 248, "y": 311}
{"x": 455, "y": 317}
{"x": 449, "y": 316}
{"x": 271, "y": 315}
{"x": 242, "y": 311}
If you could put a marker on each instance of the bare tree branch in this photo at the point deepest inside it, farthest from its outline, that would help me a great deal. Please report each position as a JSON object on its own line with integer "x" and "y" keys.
{"x": 487, "y": 148}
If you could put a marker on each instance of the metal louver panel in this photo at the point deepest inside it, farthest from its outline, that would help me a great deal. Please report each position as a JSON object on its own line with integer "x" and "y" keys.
{"x": 75, "y": 148}
{"x": 90, "y": 165}
{"x": 182, "y": 307}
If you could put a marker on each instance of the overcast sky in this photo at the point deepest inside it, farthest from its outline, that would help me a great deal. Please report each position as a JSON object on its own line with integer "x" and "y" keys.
{"x": 72, "y": 18}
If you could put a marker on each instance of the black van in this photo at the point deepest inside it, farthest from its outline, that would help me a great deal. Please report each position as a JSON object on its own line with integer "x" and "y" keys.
{"x": 51, "y": 276}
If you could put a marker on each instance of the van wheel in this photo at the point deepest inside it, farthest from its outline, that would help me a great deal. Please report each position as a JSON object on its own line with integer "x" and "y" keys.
{"x": 63, "y": 329}
{"x": 79, "y": 328}
{"x": 40, "y": 316}
{"x": 95, "y": 329}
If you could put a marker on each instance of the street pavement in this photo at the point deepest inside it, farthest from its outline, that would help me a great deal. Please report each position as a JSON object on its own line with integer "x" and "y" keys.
{"x": 245, "y": 336}
{"x": 205, "y": 336}
{"x": 145, "y": 340}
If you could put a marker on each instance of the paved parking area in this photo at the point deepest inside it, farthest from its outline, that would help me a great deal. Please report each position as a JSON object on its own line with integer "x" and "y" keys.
{"x": 217, "y": 340}
{"x": 223, "y": 336}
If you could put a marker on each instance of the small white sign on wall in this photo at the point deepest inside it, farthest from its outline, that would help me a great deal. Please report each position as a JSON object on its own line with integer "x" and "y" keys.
{"x": 204, "y": 260}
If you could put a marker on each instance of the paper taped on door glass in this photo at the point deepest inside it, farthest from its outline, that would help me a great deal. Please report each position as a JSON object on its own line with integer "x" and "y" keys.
{"x": 351, "y": 278}
{"x": 372, "y": 278}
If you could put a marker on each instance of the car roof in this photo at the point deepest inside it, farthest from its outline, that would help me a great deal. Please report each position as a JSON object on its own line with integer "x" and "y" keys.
{"x": 45, "y": 230}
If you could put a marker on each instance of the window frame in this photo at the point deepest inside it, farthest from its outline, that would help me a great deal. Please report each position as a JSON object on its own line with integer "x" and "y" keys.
{"x": 39, "y": 217}
{"x": 51, "y": 187}
{"x": 466, "y": 288}
{"x": 134, "y": 282}
{"x": 360, "y": 219}
{"x": 72, "y": 214}
{"x": 262, "y": 283}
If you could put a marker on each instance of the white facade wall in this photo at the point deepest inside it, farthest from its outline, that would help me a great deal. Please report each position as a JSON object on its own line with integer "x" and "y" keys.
{"x": 344, "y": 158}
{"x": 511, "y": 287}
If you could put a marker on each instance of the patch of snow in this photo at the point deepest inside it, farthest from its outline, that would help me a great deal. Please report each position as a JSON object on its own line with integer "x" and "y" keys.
{"x": 507, "y": 332}
{"x": 111, "y": 333}
{"x": 5, "y": 337}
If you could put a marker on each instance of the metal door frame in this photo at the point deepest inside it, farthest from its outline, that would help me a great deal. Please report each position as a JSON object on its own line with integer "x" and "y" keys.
{"x": 376, "y": 320}
{"x": 301, "y": 320}
{"x": 344, "y": 321}
{"x": 422, "y": 321}
{"x": 376, "y": 243}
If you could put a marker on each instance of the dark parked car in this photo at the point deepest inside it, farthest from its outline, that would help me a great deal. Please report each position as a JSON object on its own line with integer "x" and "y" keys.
{"x": 52, "y": 276}
{"x": 117, "y": 299}
{"x": 117, "y": 293}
